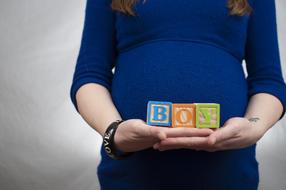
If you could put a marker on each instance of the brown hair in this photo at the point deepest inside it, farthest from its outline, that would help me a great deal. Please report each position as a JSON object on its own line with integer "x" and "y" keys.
{"x": 236, "y": 7}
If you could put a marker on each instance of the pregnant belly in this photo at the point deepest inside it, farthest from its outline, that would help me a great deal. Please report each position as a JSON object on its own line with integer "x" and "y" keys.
{"x": 179, "y": 72}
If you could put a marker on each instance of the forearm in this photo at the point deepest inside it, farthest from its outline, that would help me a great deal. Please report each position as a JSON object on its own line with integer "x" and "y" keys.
{"x": 96, "y": 106}
{"x": 264, "y": 110}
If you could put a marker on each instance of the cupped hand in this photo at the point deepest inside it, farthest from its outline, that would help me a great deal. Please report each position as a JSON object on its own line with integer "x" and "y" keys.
{"x": 237, "y": 132}
{"x": 134, "y": 135}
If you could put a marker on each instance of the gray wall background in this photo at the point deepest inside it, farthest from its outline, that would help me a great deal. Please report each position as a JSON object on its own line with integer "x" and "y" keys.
{"x": 44, "y": 143}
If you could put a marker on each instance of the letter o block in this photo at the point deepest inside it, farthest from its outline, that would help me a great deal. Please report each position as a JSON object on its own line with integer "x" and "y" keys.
{"x": 183, "y": 115}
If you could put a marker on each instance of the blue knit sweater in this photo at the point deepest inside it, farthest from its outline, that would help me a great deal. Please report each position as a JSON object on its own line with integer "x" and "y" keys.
{"x": 180, "y": 51}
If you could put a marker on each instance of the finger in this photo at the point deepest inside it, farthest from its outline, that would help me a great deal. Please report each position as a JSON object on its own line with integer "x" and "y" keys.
{"x": 232, "y": 143}
{"x": 187, "y": 132}
{"x": 182, "y": 142}
{"x": 222, "y": 134}
{"x": 156, "y": 132}
{"x": 162, "y": 135}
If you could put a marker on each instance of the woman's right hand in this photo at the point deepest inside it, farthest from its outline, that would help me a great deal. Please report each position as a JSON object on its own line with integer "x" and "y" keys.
{"x": 134, "y": 135}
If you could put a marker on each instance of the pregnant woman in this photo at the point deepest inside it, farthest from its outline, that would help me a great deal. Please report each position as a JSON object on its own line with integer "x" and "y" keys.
{"x": 183, "y": 51}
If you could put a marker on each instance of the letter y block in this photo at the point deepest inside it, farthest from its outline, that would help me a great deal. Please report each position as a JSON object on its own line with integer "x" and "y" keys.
{"x": 207, "y": 115}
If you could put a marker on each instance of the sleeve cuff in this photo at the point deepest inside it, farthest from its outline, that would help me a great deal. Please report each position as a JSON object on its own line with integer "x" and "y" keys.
{"x": 80, "y": 82}
{"x": 277, "y": 91}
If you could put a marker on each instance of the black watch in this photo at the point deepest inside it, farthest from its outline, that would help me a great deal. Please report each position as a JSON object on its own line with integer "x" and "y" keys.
{"x": 108, "y": 142}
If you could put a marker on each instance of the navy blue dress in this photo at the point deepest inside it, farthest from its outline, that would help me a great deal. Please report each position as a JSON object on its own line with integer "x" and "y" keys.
{"x": 180, "y": 51}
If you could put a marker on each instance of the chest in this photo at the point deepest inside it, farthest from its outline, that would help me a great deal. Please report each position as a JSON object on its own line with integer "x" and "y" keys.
{"x": 192, "y": 16}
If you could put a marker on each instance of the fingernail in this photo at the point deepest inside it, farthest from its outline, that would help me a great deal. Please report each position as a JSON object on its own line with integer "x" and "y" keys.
{"x": 156, "y": 146}
{"x": 212, "y": 141}
{"x": 162, "y": 136}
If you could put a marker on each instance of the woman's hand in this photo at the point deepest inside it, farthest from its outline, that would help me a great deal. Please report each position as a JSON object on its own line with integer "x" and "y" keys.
{"x": 134, "y": 135}
{"x": 237, "y": 132}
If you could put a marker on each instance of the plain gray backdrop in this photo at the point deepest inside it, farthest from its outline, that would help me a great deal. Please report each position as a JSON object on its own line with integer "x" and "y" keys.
{"x": 44, "y": 143}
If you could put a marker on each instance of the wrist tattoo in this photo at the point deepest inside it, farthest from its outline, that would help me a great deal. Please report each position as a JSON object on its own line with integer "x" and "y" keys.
{"x": 253, "y": 119}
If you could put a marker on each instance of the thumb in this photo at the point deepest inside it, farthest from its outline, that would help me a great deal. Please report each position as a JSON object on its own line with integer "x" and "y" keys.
{"x": 212, "y": 139}
{"x": 221, "y": 134}
{"x": 162, "y": 135}
{"x": 156, "y": 132}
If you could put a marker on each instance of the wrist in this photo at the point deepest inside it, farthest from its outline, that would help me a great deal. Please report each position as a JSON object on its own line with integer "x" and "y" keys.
{"x": 258, "y": 127}
{"x": 118, "y": 139}
{"x": 108, "y": 142}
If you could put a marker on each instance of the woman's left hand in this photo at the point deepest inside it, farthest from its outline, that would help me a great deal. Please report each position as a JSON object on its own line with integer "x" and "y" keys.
{"x": 237, "y": 132}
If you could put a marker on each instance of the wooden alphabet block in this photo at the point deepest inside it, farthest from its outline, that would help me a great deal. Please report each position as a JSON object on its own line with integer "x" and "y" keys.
{"x": 207, "y": 115}
{"x": 183, "y": 115}
{"x": 159, "y": 113}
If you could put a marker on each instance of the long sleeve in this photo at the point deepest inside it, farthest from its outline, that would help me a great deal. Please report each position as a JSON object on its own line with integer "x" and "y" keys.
{"x": 97, "y": 51}
{"x": 262, "y": 53}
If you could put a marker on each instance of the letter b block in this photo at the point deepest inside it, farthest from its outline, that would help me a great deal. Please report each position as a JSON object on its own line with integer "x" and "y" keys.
{"x": 159, "y": 113}
{"x": 207, "y": 115}
{"x": 184, "y": 115}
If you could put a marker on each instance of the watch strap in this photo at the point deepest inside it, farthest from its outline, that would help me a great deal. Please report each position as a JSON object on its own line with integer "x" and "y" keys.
{"x": 108, "y": 142}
